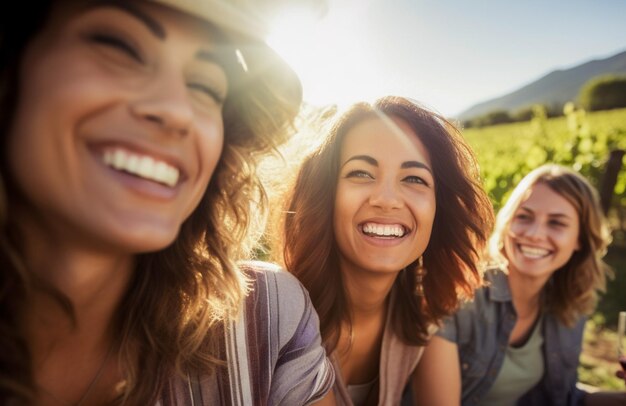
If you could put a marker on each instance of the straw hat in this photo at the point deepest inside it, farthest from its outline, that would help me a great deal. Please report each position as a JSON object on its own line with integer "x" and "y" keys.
{"x": 243, "y": 22}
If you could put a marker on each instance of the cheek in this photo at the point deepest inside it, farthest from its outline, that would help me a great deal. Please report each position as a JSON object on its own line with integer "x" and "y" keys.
{"x": 209, "y": 150}
{"x": 514, "y": 229}
{"x": 569, "y": 242}
{"x": 507, "y": 245}
{"x": 37, "y": 145}
{"x": 210, "y": 145}
{"x": 424, "y": 209}
{"x": 346, "y": 204}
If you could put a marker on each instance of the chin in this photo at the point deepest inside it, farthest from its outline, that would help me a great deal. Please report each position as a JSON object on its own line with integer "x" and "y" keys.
{"x": 385, "y": 269}
{"x": 145, "y": 241}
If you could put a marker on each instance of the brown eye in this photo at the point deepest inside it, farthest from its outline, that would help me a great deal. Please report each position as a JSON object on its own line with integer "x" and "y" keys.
{"x": 415, "y": 179}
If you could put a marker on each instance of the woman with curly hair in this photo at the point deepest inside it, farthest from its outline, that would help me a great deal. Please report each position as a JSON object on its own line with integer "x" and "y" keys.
{"x": 519, "y": 341}
{"x": 383, "y": 228}
{"x": 130, "y": 131}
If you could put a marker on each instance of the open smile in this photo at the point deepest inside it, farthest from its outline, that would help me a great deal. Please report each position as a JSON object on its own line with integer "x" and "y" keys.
{"x": 141, "y": 165}
{"x": 533, "y": 252}
{"x": 385, "y": 231}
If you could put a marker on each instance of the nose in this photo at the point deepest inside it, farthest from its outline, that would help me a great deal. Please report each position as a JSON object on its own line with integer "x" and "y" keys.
{"x": 533, "y": 230}
{"x": 386, "y": 196}
{"x": 165, "y": 103}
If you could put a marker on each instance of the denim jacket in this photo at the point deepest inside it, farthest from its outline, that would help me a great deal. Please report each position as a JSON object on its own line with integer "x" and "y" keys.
{"x": 481, "y": 330}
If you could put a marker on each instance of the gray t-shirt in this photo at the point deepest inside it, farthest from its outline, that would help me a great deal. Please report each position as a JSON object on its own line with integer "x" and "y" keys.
{"x": 521, "y": 370}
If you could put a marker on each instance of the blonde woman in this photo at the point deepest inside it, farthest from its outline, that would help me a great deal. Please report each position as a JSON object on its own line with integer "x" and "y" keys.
{"x": 519, "y": 341}
{"x": 127, "y": 182}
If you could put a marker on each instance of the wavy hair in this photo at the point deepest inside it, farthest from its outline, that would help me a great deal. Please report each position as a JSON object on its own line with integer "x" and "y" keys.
{"x": 571, "y": 291}
{"x": 171, "y": 314}
{"x": 462, "y": 222}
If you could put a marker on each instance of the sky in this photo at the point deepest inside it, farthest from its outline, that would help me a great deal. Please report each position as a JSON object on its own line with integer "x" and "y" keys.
{"x": 447, "y": 54}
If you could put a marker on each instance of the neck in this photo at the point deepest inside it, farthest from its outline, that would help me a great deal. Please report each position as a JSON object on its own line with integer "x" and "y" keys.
{"x": 367, "y": 292}
{"x": 525, "y": 293}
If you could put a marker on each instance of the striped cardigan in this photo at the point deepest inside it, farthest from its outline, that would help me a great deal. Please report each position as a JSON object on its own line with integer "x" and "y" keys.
{"x": 273, "y": 351}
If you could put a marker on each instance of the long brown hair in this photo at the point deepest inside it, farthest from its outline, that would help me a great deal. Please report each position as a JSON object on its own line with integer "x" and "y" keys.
{"x": 462, "y": 222}
{"x": 571, "y": 291}
{"x": 178, "y": 296}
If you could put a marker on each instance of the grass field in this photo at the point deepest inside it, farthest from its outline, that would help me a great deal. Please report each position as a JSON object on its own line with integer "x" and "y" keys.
{"x": 507, "y": 152}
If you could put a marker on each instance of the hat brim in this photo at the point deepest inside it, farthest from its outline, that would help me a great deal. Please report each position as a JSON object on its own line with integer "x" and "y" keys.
{"x": 245, "y": 32}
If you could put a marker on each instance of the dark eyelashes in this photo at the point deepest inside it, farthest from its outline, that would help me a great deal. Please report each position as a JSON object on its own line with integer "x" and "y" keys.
{"x": 117, "y": 42}
{"x": 417, "y": 180}
{"x": 558, "y": 224}
{"x": 358, "y": 174}
{"x": 217, "y": 96}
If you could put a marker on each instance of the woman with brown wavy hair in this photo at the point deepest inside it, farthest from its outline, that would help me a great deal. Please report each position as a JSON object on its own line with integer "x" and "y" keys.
{"x": 383, "y": 228}
{"x": 128, "y": 135}
{"x": 519, "y": 341}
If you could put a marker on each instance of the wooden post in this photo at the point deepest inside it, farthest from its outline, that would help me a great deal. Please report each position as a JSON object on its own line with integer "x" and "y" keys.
{"x": 609, "y": 179}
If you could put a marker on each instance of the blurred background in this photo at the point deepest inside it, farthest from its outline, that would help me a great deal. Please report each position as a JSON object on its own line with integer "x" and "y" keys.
{"x": 528, "y": 82}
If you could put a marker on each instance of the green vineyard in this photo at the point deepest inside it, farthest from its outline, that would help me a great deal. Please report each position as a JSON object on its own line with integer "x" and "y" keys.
{"x": 583, "y": 141}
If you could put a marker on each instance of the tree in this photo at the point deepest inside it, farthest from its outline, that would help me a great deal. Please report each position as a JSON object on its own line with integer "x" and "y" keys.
{"x": 603, "y": 93}
{"x": 497, "y": 117}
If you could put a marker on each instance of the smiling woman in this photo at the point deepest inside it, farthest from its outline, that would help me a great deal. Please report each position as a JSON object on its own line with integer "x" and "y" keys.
{"x": 383, "y": 227}
{"x": 127, "y": 130}
{"x": 88, "y": 76}
{"x": 519, "y": 341}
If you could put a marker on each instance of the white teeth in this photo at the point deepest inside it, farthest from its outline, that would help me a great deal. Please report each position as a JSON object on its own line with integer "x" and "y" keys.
{"x": 533, "y": 252}
{"x": 143, "y": 166}
{"x": 383, "y": 230}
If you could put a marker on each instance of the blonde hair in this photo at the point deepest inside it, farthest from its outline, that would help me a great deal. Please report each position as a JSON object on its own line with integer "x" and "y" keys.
{"x": 572, "y": 291}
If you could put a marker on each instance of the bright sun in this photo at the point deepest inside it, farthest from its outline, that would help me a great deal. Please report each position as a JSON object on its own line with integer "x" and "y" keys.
{"x": 322, "y": 51}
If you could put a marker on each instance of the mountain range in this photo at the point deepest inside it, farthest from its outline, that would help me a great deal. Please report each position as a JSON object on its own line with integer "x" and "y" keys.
{"x": 555, "y": 88}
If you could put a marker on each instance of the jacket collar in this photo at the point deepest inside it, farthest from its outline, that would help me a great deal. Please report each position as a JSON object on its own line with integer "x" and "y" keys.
{"x": 498, "y": 285}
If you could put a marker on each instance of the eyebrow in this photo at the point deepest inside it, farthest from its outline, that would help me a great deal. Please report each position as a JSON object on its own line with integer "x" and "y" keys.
{"x": 415, "y": 164}
{"x": 365, "y": 158}
{"x": 374, "y": 162}
{"x": 153, "y": 25}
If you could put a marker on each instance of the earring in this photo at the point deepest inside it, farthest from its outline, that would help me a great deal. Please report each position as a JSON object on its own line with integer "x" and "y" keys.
{"x": 420, "y": 272}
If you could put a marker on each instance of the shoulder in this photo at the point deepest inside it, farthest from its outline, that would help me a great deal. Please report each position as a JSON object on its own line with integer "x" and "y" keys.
{"x": 473, "y": 317}
{"x": 287, "y": 300}
{"x": 478, "y": 306}
{"x": 272, "y": 278}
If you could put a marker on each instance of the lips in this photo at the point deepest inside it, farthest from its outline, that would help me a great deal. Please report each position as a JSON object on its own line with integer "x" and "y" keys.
{"x": 141, "y": 165}
{"x": 383, "y": 230}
